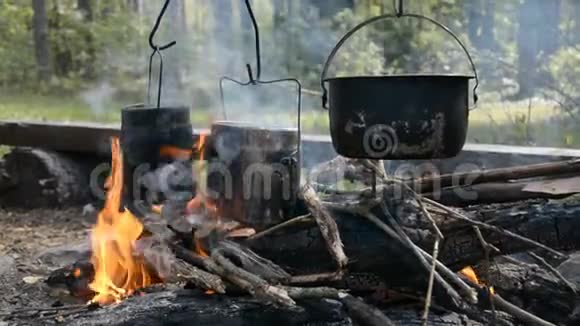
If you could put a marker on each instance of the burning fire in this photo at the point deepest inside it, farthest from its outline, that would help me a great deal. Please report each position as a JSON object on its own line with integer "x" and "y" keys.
{"x": 469, "y": 272}
{"x": 118, "y": 271}
{"x": 200, "y": 201}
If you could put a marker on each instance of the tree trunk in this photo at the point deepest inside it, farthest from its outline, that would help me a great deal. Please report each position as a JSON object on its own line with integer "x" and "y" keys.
{"x": 86, "y": 9}
{"x": 487, "y": 39}
{"x": 474, "y": 13}
{"x": 41, "y": 42}
{"x": 536, "y": 41}
{"x": 549, "y": 29}
{"x": 528, "y": 46}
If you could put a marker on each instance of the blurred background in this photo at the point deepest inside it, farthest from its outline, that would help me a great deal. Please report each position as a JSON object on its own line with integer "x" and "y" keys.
{"x": 83, "y": 60}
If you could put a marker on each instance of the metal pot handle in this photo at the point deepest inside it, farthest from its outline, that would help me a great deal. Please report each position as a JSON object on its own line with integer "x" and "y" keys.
{"x": 388, "y": 16}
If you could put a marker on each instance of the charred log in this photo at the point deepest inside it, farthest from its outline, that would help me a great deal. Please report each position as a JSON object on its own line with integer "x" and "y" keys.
{"x": 185, "y": 307}
{"x": 555, "y": 224}
{"x": 42, "y": 178}
{"x": 533, "y": 289}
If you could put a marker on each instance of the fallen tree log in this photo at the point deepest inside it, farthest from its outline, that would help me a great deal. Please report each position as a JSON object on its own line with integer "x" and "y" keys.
{"x": 427, "y": 184}
{"x": 42, "y": 178}
{"x": 555, "y": 224}
{"x": 488, "y": 193}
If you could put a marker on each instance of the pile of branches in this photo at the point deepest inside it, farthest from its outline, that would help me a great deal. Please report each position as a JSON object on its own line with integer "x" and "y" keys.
{"x": 232, "y": 266}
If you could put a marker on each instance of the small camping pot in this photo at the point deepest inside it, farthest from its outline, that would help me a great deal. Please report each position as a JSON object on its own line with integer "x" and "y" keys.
{"x": 253, "y": 172}
{"x": 157, "y": 146}
{"x": 398, "y": 116}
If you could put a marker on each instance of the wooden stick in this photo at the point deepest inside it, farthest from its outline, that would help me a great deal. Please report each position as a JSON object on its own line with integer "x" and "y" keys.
{"x": 467, "y": 291}
{"x": 493, "y": 175}
{"x": 183, "y": 272}
{"x": 428, "y": 295}
{"x": 277, "y": 227}
{"x": 493, "y": 228}
{"x": 327, "y": 226}
{"x": 554, "y": 271}
{"x": 414, "y": 249}
{"x": 254, "y": 284}
{"x": 300, "y": 293}
{"x": 522, "y": 315}
{"x": 316, "y": 278}
{"x": 253, "y": 263}
{"x": 487, "y": 248}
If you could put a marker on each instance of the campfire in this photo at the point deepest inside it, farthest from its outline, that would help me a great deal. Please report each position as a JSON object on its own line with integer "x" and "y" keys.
{"x": 225, "y": 227}
{"x": 118, "y": 271}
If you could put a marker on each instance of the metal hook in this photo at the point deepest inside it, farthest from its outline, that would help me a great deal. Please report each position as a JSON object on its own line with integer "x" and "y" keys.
{"x": 257, "y": 40}
{"x": 157, "y": 50}
{"x": 399, "y": 7}
{"x": 154, "y": 30}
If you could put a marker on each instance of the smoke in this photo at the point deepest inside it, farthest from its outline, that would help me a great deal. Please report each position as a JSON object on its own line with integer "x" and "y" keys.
{"x": 98, "y": 98}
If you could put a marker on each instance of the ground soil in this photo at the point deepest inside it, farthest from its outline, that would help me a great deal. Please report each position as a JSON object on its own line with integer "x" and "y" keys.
{"x": 24, "y": 237}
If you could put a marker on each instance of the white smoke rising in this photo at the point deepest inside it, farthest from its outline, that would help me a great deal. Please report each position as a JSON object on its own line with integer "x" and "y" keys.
{"x": 98, "y": 98}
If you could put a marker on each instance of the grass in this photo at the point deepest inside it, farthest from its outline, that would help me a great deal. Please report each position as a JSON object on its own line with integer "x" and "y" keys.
{"x": 502, "y": 123}
{"x": 51, "y": 108}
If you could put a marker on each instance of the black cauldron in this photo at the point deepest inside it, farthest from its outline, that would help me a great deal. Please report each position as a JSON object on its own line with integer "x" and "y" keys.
{"x": 398, "y": 116}
{"x": 150, "y": 175}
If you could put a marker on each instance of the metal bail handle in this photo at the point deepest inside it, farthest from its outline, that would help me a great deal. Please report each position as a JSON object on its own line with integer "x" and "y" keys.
{"x": 256, "y": 81}
{"x": 389, "y": 16}
{"x": 157, "y": 50}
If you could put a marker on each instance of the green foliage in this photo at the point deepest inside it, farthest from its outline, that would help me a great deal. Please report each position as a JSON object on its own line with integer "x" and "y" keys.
{"x": 565, "y": 68}
{"x": 17, "y": 65}
{"x": 110, "y": 47}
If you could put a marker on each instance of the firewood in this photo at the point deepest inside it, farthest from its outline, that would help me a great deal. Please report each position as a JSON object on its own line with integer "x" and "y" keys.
{"x": 486, "y": 193}
{"x": 254, "y": 284}
{"x": 533, "y": 289}
{"x": 327, "y": 226}
{"x": 42, "y": 178}
{"x": 253, "y": 263}
{"x": 483, "y": 225}
{"x": 183, "y": 272}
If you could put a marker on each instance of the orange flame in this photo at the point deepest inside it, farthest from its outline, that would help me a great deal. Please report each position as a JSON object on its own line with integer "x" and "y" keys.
{"x": 118, "y": 271}
{"x": 200, "y": 202}
{"x": 175, "y": 152}
{"x": 469, "y": 272}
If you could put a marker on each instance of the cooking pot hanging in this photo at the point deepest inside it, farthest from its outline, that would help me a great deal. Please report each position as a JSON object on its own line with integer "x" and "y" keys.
{"x": 411, "y": 116}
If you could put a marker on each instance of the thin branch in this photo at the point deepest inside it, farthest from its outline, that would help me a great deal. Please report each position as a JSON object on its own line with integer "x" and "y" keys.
{"x": 487, "y": 249}
{"x": 422, "y": 259}
{"x": 316, "y": 278}
{"x": 522, "y": 315}
{"x": 554, "y": 271}
{"x": 429, "y": 293}
{"x": 277, "y": 227}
